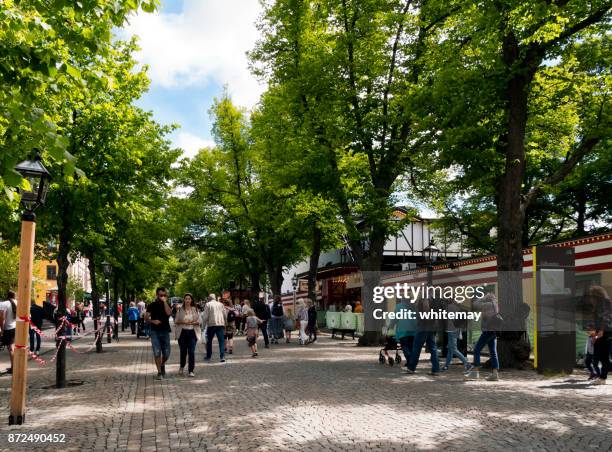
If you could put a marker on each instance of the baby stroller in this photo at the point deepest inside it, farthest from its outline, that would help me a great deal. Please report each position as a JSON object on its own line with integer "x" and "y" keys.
{"x": 390, "y": 345}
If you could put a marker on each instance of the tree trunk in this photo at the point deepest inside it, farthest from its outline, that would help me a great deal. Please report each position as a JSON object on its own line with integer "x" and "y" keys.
{"x": 370, "y": 267}
{"x": 511, "y": 212}
{"x": 255, "y": 286}
{"x": 315, "y": 253}
{"x": 275, "y": 275}
{"x": 581, "y": 210}
{"x": 95, "y": 300}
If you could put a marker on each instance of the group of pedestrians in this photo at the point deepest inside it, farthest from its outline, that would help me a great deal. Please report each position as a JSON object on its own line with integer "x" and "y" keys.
{"x": 414, "y": 333}
{"x": 220, "y": 320}
{"x": 599, "y": 340}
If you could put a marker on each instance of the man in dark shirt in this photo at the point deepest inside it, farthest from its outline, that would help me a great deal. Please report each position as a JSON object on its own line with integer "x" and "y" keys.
{"x": 426, "y": 334}
{"x": 262, "y": 311}
{"x": 37, "y": 314}
{"x": 157, "y": 316}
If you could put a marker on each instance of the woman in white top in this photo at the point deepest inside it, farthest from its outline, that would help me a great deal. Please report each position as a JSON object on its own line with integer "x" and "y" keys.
{"x": 187, "y": 332}
{"x": 302, "y": 319}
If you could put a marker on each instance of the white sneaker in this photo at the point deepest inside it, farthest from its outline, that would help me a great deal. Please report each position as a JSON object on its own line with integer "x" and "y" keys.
{"x": 182, "y": 372}
{"x": 472, "y": 375}
{"x": 494, "y": 376}
{"x": 600, "y": 381}
{"x": 191, "y": 374}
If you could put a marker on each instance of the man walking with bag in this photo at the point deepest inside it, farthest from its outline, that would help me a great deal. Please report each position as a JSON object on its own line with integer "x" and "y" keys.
{"x": 214, "y": 320}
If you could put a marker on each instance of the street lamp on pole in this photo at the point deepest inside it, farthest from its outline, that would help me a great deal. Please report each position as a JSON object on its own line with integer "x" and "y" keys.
{"x": 33, "y": 194}
{"x": 430, "y": 254}
{"x": 294, "y": 283}
{"x": 107, "y": 269}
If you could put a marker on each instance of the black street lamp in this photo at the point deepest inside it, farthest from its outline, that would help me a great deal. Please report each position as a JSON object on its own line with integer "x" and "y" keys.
{"x": 294, "y": 283}
{"x": 33, "y": 194}
{"x": 107, "y": 269}
{"x": 430, "y": 255}
{"x": 38, "y": 178}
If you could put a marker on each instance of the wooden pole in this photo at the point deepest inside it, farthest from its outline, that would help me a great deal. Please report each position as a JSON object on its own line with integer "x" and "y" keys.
{"x": 24, "y": 294}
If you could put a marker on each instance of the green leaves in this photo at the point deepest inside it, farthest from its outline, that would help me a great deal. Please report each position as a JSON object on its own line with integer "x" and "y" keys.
{"x": 43, "y": 48}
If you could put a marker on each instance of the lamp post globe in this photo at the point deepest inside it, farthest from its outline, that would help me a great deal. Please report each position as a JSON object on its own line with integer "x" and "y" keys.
{"x": 107, "y": 269}
{"x": 34, "y": 193}
{"x": 430, "y": 252}
{"x": 294, "y": 282}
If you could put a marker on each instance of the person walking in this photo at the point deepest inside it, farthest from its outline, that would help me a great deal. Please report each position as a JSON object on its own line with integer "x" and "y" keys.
{"x": 490, "y": 325}
{"x": 311, "y": 327}
{"x": 591, "y": 361}
{"x": 158, "y": 317}
{"x": 288, "y": 325}
{"x": 245, "y": 306}
{"x": 8, "y": 315}
{"x": 262, "y": 311}
{"x": 188, "y": 333}
{"x": 239, "y": 317}
{"x": 77, "y": 318}
{"x": 276, "y": 319}
{"x": 453, "y": 330}
{"x": 302, "y": 320}
{"x": 37, "y": 314}
{"x": 602, "y": 322}
{"x": 230, "y": 325}
{"x": 252, "y": 323}
{"x": 133, "y": 314}
{"x": 426, "y": 335}
{"x": 142, "y": 308}
{"x": 213, "y": 318}
{"x": 405, "y": 329}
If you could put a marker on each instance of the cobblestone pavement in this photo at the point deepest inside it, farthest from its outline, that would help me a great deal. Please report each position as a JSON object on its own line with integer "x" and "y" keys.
{"x": 328, "y": 396}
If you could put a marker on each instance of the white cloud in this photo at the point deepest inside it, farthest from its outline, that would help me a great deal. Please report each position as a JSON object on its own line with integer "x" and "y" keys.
{"x": 191, "y": 144}
{"x": 205, "y": 43}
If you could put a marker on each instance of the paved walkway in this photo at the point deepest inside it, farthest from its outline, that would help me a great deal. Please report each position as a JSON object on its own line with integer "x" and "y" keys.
{"x": 328, "y": 396}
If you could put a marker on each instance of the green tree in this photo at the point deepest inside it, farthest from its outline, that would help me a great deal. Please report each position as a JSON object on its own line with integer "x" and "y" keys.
{"x": 39, "y": 43}
{"x": 9, "y": 269}
{"x": 521, "y": 96}
{"x": 355, "y": 76}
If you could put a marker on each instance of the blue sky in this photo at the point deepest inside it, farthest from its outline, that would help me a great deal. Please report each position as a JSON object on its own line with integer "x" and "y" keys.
{"x": 194, "y": 48}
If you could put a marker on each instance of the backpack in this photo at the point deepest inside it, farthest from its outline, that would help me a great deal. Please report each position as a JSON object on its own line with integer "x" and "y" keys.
{"x": 231, "y": 316}
{"x": 277, "y": 310}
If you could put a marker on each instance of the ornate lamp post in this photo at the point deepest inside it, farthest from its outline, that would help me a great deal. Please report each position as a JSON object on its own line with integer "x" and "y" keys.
{"x": 294, "y": 283}
{"x": 38, "y": 178}
{"x": 430, "y": 254}
{"x": 107, "y": 269}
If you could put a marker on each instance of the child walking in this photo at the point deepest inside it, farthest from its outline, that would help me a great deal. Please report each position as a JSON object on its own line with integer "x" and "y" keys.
{"x": 590, "y": 361}
{"x": 252, "y": 327}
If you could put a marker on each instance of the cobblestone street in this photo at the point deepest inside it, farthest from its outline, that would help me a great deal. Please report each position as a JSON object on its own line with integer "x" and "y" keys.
{"x": 328, "y": 396}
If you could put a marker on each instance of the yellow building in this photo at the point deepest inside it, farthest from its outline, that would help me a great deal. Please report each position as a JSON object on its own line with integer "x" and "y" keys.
{"x": 44, "y": 281}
